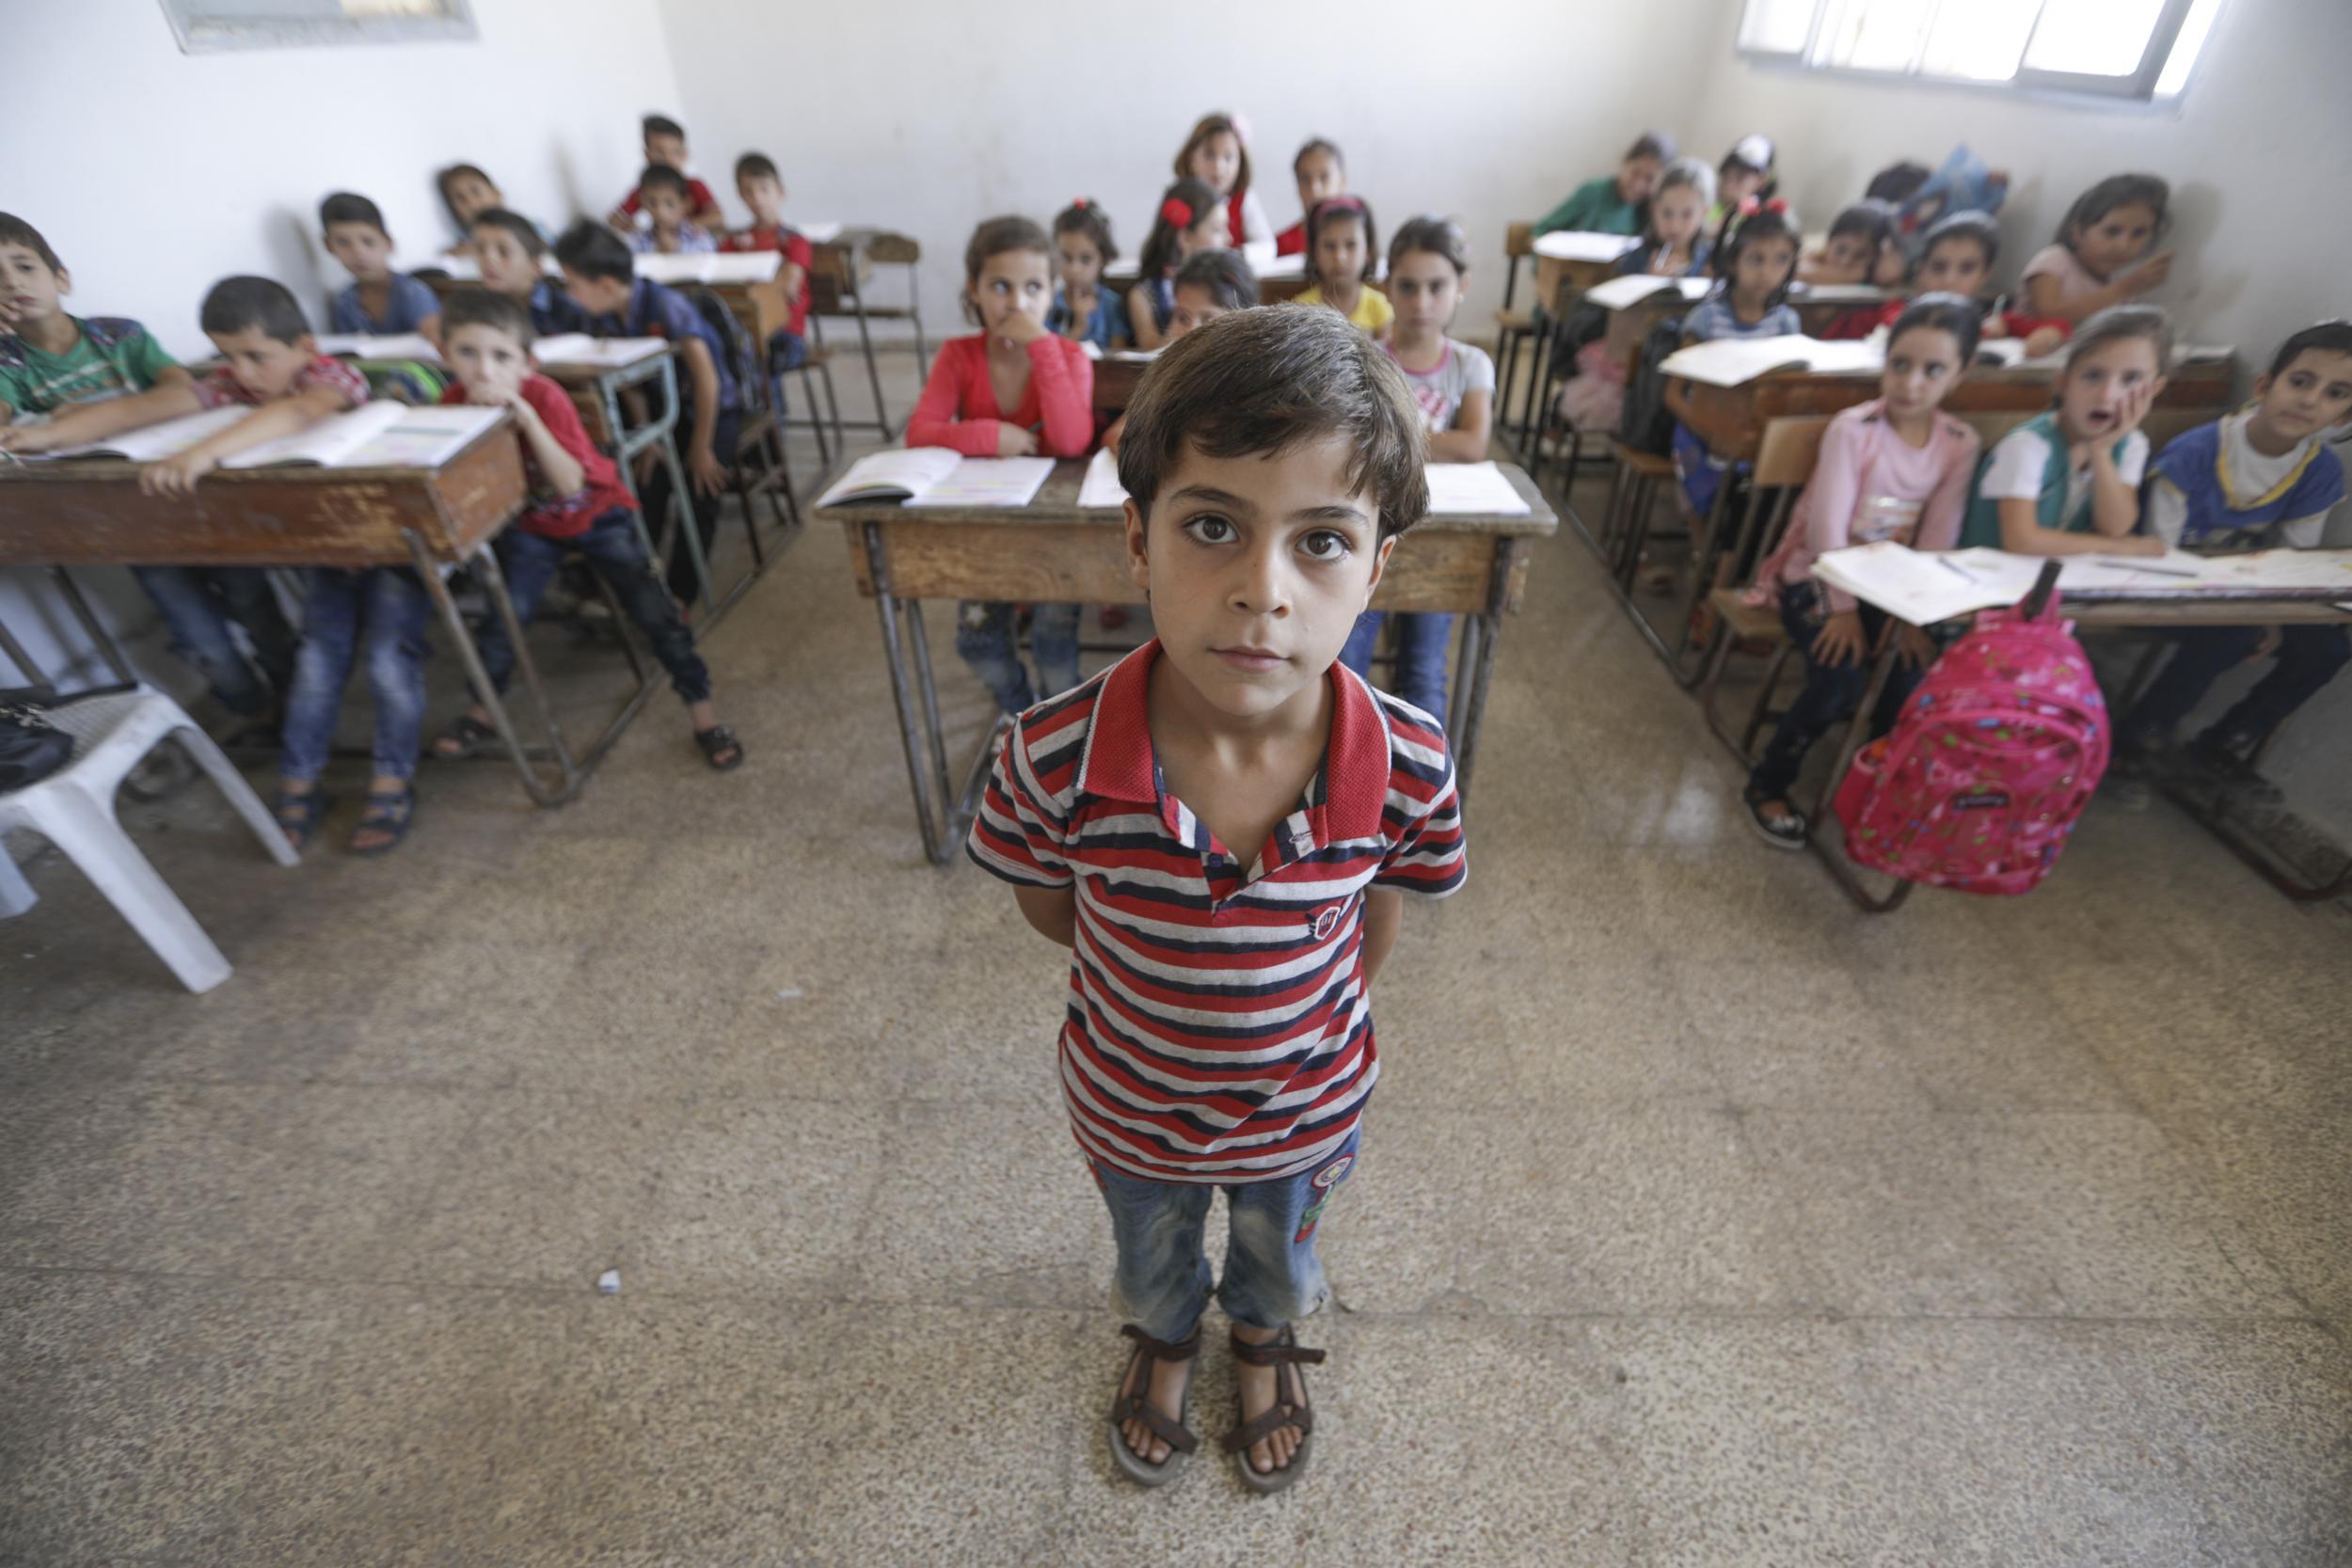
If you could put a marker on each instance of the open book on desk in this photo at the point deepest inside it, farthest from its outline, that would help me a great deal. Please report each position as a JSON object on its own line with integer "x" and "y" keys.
{"x": 578, "y": 348}
{"x": 1837, "y": 293}
{"x": 1570, "y": 244}
{"x": 935, "y": 476}
{"x": 1924, "y": 587}
{"x": 1636, "y": 288}
{"x": 377, "y": 434}
{"x": 1456, "y": 489}
{"x": 1737, "y": 361}
{"x": 369, "y": 345}
{"x": 711, "y": 266}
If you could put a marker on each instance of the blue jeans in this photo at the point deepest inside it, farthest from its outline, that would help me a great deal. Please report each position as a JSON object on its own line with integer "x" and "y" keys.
{"x": 2308, "y": 659}
{"x": 986, "y": 639}
{"x": 1272, "y": 1274}
{"x": 199, "y": 603}
{"x": 614, "y": 553}
{"x": 786, "y": 351}
{"x": 386, "y": 605}
{"x": 1420, "y": 652}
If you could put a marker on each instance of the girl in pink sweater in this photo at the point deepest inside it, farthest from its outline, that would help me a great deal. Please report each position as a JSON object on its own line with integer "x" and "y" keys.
{"x": 1896, "y": 467}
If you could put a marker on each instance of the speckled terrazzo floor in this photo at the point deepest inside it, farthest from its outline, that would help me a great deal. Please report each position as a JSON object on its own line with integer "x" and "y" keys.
{"x": 1702, "y": 1221}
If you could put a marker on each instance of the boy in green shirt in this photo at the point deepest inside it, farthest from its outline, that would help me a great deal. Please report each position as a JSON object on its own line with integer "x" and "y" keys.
{"x": 1615, "y": 204}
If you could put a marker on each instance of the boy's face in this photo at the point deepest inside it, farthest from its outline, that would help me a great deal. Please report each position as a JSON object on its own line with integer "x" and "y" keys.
{"x": 507, "y": 268}
{"x": 2091, "y": 390}
{"x": 666, "y": 149}
{"x": 1340, "y": 248}
{"x": 1637, "y": 178}
{"x": 763, "y": 196}
{"x": 469, "y": 194}
{"x": 365, "y": 251}
{"x": 1956, "y": 266}
{"x": 2314, "y": 394}
{"x": 598, "y": 296}
{"x": 666, "y": 207}
{"x": 490, "y": 361}
{"x": 2110, "y": 243}
{"x": 30, "y": 285}
{"x": 264, "y": 365}
{"x": 1195, "y": 306}
{"x": 1013, "y": 283}
{"x": 1849, "y": 254}
{"x": 1257, "y": 567}
{"x": 1319, "y": 179}
{"x": 1675, "y": 215}
{"x": 1081, "y": 263}
{"x": 1424, "y": 289}
{"x": 1217, "y": 161}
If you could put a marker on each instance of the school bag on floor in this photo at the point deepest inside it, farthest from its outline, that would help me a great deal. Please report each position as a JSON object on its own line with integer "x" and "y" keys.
{"x": 1646, "y": 424}
{"x": 1978, "y": 785}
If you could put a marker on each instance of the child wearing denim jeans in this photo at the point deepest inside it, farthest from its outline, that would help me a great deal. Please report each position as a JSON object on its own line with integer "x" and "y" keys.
{"x": 577, "y": 503}
{"x": 1220, "y": 828}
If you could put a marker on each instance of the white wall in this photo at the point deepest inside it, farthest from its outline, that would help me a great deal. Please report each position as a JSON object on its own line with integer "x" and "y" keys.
{"x": 160, "y": 172}
{"x": 931, "y": 115}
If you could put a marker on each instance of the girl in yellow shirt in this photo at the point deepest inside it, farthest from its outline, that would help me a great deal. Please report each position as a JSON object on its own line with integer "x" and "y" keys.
{"x": 1339, "y": 262}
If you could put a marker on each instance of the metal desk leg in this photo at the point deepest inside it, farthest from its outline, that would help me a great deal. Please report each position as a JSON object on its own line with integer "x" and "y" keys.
{"x": 108, "y": 648}
{"x": 918, "y": 638}
{"x": 1857, "y": 734}
{"x": 1479, "y": 669}
{"x": 922, "y": 750}
{"x": 34, "y": 675}
{"x": 567, "y": 781}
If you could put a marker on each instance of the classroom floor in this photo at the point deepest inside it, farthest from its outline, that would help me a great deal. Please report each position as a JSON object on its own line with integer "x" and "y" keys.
{"x": 1701, "y": 1221}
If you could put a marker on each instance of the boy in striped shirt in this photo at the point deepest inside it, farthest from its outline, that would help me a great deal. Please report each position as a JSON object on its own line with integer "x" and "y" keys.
{"x": 1218, "y": 1032}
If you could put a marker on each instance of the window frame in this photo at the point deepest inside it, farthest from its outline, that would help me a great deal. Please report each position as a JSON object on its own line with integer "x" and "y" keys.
{"x": 2136, "y": 89}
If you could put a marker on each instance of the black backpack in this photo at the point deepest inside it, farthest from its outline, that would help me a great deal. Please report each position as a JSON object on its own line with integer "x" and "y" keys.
{"x": 1645, "y": 425}
{"x": 749, "y": 378}
{"x": 31, "y": 748}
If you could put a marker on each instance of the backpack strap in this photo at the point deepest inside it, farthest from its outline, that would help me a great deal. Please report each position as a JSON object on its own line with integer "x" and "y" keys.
{"x": 2044, "y": 593}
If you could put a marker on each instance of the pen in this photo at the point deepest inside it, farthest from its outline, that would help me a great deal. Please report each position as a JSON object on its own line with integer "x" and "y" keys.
{"x": 2160, "y": 571}
{"x": 1964, "y": 574}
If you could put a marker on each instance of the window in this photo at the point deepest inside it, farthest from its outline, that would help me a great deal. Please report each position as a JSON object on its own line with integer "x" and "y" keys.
{"x": 204, "y": 26}
{"x": 2125, "y": 49}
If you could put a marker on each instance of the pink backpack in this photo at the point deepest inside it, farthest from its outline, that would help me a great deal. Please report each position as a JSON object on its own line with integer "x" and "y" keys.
{"x": 1979, "y": 782}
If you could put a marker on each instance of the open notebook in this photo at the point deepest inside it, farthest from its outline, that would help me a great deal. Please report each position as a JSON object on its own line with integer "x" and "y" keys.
{"x": 369, "y": 345}
{"x": 377, "y": 434}
{"x": 1737, "y": 361}
{"x": 1569, "y": 244}
{"x": 935, "y": 476}
{"x": 1924, "y": 587}
{"x": 746, "y": 266}
{"x": 1620, "y": 294}
{"x": 578, "y": 348}
{"x": 1456, "y": 489}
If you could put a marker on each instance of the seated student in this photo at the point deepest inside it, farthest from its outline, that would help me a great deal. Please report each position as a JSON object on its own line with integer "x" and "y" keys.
{"x": 1189, "y": 219}
{"x": 1674, "y": 245}
{"x": 1896, "y": 467}
{"x": 51, "y": 361}
{"x": 1342, "y": 257}
{"x": 467, "y": 193}
{"x": 665, "y": 144}
{"x": 1754, "y": 262}
{"x": 577, "y": 502}
{"x": 1863, "y": 247}
{"x": 1956, "y": 257}
{"x": 2100, "y": 258}
{"x": 1211, "y": 284}
{"x": 1322, "y": 174}
{"x": 667, "y": 231}
{"x": 2067, "y": 481}
{"x": 1745, "y": 172}
{"x": 380, "y": 300}
{"x": 2258, "y": 479}
{"x": 601, "y": 279}
{"x": 512, "y": 256}
{"x": 1084, "y": 312}
{"x": 1454, "y": 385}
{"x": 989, "y": 395}
{"x": 1224, "y": 811}
{"x": 1217, "y": 155}
{"x": 1614, "y": 203}
{"x": 761, "y": 188}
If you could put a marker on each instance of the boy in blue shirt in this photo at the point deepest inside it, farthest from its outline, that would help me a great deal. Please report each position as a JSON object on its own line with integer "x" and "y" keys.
{"x": 379, "y": 301}
{"x": 2258, "y": 479}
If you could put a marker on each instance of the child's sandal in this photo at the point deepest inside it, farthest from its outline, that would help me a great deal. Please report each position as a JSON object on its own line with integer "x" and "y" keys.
{"x": 1137, "y": 1405}
{"x": 720, "y": 749}
{"x": 1788, "y": 830}
{"x": 464, "y": 740}
{"x": 1281, "y": 1352}
{"x": 298, "y": 816}
{"x": 387, "y": 813}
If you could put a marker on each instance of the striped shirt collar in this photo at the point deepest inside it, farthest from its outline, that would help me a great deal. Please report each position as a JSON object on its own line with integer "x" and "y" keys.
{"x": 1348, "y": 795}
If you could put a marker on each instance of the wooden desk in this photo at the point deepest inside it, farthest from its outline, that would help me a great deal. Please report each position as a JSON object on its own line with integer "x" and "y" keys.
{"x": 1115, "y": 381}
{"x": 1053, "y": 551}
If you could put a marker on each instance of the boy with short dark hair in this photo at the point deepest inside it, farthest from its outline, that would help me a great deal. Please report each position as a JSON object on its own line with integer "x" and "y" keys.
{"x": 508, "y": 250}
{"x": 578, "y": 502}
{"x": 758, "y": 182}
{"x": 52, "y": 361}
{"x": 2259, "y": 478}
{"x": 1221, "y": 827}
{"x": 665, "y": 144}
{"x": 380, "y": 300}
{"x": 661, "y": 192}
{"x": 600, "y": 277}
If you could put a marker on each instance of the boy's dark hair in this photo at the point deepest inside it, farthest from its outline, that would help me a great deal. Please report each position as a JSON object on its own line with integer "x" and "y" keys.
{"x": 2328, "y": 337}
{"x": 1225, "y": 274}
{"x": 1650, "y": 144}
{"x": 2117, "y": 190}
{"x": 2119, "y": 324}
{"x": 1977, "y": 228}
{"x": 346, "y": 207}
{"x": 525, "y": 231}
{"x": 1439, "y": 236}
{"x": 592, "y": 250}
{"x": 994, "y": 237}
{"x": 1258, "y": 383}
{"x": 15, "y": 231}
{"x": 661, "y": 177}
{"x": 659, "y": 125}
{"x": 1942, "y": 312}
{"x": 476, "y": 306}
{"x": 1159, "y": 247}
{"x": 1319, "y": 144}
{"x": 1218, "y": 124}
{"x": 1870, "y": 217}
{"x": 1086, "y": 217}
{"x": 756, "y": 165}
{"x": 1334, "y": 209}
{"x": 441, "y": 182}
{"x": 1772, "y": 221}
{"x": 240, "y": 304}
{"x": 1895, "y": 184}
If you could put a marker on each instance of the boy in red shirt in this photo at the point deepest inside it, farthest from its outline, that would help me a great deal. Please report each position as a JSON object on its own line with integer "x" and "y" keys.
{"x": 762, "y": 190}
{"x": 665, "y": 144}
{"x": 577, "y": 503}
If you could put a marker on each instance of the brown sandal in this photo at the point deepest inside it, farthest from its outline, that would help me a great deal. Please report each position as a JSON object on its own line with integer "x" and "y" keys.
{"x": 1137, "y": 1406}
{"x": 1281, "y": 1351}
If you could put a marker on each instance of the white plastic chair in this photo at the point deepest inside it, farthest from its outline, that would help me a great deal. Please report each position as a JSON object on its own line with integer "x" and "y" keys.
{"x": 73, "y": 808}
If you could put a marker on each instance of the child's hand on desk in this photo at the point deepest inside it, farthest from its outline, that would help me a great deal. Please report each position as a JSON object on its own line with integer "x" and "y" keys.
{"x": 1013, "y": 440}
{"x": 29, "y": 439}
{"x": 711, "y": 475}
{"x": 1840, "y": 641}
{"x": 177, "y": 476}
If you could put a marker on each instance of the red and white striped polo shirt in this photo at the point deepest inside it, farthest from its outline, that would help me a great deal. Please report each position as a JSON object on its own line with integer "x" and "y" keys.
{"x": 1219, "y": 1029}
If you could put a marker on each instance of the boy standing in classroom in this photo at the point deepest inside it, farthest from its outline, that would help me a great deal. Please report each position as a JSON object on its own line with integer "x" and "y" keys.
{"x": 1221, "y": 827}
